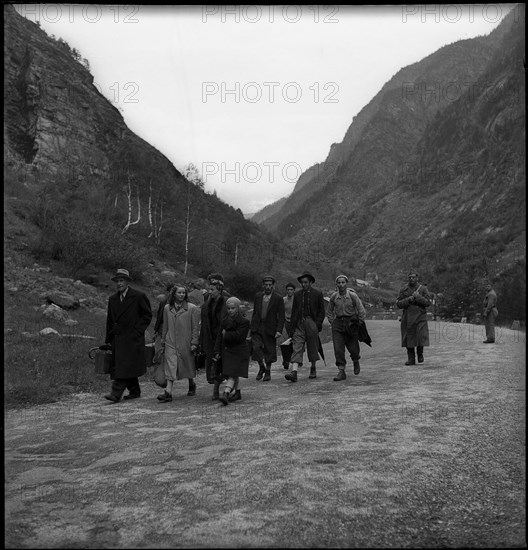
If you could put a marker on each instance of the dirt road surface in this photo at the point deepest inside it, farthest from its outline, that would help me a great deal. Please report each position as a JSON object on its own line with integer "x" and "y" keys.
{"x": 431, "y": 455}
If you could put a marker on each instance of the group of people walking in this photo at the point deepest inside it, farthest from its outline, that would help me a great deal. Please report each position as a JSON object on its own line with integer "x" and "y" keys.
{"x": 210, "y": 325}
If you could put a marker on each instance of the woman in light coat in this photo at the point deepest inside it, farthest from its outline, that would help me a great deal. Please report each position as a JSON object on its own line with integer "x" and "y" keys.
{"x": 181, "y": 328}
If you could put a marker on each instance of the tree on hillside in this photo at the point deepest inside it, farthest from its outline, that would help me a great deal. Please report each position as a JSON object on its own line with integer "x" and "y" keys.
{"x": 194, "y": 187}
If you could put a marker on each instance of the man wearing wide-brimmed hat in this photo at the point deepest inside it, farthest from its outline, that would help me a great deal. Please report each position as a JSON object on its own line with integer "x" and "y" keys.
{"x": 128, "y": 317}
{"x": 266, "y": 326}
{"x": 414, "y": 299}
{"x": 308, "y": 313}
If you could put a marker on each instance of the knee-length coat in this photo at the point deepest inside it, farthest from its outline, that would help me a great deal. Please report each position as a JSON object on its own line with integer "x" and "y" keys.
{"x": 126, "y": 323}
{"x": 233, "y": 346}
{"x": 181, "y": 328}
{"x": 414, "y": 328}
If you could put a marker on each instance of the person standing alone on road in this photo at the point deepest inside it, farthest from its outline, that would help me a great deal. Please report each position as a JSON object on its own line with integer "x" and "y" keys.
{"x": 127, "y": 319}
{"x": 413, "y": 299}
{"x": 267, "y": 323}
{"x": 490, "y": 313}
{"x": 345, "y": 312}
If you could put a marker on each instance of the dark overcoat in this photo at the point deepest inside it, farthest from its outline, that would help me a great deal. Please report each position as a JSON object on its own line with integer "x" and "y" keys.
{"x": 212, "y": 313}
{"x": 414, "y": 328}
{"x": 316, "y": 305}
{"x": 233, "y": 346}
{"x": 274, "y": 320}
{"x": 126, "y": 323}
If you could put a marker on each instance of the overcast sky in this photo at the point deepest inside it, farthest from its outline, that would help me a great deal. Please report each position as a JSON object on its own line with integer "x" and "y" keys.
{"x": 252, "y": 95}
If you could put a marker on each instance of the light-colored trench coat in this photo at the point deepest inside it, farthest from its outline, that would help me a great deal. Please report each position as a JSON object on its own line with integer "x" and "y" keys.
{"x": 181, "y": 329}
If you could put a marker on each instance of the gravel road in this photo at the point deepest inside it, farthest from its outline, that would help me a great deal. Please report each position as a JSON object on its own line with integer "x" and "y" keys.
{"x": 425, "y": 456}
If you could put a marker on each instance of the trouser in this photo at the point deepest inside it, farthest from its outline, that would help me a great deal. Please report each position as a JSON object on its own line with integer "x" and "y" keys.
{"x": 489, "y": 323}
{"x": 264, "y": 346}
{"x": 342, "y": 338}
{"x": 119, "y": 385}
{"x": 305, "y": 336}
{"x": 410, "y": 352}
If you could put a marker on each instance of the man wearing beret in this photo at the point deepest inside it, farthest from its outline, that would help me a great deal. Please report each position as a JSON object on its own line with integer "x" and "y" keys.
{"x": 414, "y": 299}
{"x": 213, "y": 312}
{"x": 128, "y": 317}
{"x": 266, "y": 326}
{"x": 345, "y": 313}
{"x": 308, "y": 313}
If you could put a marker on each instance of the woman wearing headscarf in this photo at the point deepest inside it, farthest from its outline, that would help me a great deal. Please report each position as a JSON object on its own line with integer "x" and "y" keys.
{"x": 181, "y": 327}
{"x": 414, "y": 299}
{"x": 232, "y": 348}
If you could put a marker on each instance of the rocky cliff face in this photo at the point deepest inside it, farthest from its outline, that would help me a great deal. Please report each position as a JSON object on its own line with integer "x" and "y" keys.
{"x": 68, "y": 150}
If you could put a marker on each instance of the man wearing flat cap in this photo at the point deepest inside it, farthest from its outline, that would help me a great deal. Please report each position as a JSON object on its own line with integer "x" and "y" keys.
{"x": 414, "y": 299}
{"x": 308, "y": 313}
{"x": 266, "y": 326}
{"x": 128, "y": 318}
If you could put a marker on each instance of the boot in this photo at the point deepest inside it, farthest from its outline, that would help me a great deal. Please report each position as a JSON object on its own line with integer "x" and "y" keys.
{"x": 225, "y": 398}
{"x": 165, "y": 398}
{"x": 357, "y": 368}
{"x": 292, "y": 376}
{"x": 267, "y": 373}
{"x": 341, "y": 375}
{"x": 261, "y": 371}
{"x": 286, "y": 365}
{"x": 313, "y": 372}
{"x": 216, "y": 391}
{"x": 410, "y": 357}
{"x": 419, "y": 351}
{"x": 235, "y": 396}
{"x": 192, "y": 388}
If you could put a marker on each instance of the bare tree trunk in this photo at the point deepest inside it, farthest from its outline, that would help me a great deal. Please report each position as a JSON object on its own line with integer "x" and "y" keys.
{"x": 150, "y": 210}
{"x": 129, "y": 194}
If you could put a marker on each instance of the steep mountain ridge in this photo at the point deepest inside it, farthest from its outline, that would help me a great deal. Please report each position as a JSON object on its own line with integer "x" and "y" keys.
{"x": 68, "y": 153}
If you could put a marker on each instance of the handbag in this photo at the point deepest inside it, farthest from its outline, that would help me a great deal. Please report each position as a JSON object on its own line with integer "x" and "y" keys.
{"x": 158, "y": 373}
{"x": 149, "y": 354}
{"x": 102, "y": 360}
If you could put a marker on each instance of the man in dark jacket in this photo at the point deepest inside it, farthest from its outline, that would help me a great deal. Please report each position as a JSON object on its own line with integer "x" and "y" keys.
{"x": 308, "y": 313}
{"x": 213, "y": 313}
{"x": 490, "y": 313}
{"x": 128, "y": 318}
{"x": 267, "y": 323}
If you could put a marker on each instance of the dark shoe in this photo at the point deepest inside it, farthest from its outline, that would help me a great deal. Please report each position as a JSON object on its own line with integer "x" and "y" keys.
{"x": 131, "y": 396}
{"x": 161, "y": 396}
{"x": 292, "y": 376}
{"x": 357, "y": 368}
{"x": 225, "y": 398}
{"x": 341, "y": 375}
{"x": 267, "y": 375}
{"x": 313, "y": 372}
{"x": 420, "y": 358}
{"x": 236, "y": 396}
{"x": 488, "y": 342}
{"x": 410, "y": 362}
{"x": 286, "y": 366}
{"x": 261, "y": 372}
{"x": 112, "y": 398}
{"x": 165, "y": 398}
{"x": 192, "y": 390}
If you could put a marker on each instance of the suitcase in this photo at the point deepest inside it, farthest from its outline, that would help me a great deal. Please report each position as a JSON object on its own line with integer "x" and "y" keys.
{"x": 102, "y": 360}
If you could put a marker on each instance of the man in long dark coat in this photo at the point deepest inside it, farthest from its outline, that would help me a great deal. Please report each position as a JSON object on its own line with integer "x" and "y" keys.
{"x": 128, "y": 318}
{"x": 213, "y": 312}
{"x": 413, "y": 299}
{"x": 308, "y": 313}
{"x": 267, "y": 323}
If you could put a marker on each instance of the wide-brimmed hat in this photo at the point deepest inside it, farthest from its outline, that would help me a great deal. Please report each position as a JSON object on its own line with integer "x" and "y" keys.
{"x": 122, "y": 274}
{"x": 306, "y": 274}
{"x": 268, "y": 278}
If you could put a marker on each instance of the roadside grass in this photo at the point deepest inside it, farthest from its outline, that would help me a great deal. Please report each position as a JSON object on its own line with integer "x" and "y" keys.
{"x": 43, "y": 369}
